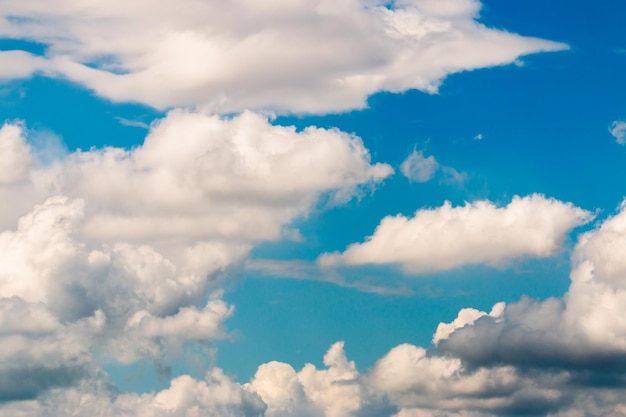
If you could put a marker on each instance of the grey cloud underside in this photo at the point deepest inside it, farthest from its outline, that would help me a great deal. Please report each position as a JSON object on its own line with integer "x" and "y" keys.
{"x": 529, "y": 337}
{"x": 27, "y": 382}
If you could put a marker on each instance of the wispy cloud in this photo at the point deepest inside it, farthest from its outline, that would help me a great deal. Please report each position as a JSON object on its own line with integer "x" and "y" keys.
{"x": 311, "y": 271}
{"x": 132, "y": 123}
{"x": 618, "y": 130}
{"x": 419, "y": 168}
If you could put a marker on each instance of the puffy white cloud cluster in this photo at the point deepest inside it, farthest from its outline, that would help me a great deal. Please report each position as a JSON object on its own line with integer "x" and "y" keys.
{"x": 332, "y": 392}
{"x": 215, "y": 396}
{"x": 78, "y": 286}
{"x": 115, "y": 255}
{"x": 477, "y": 233}
{"x": 284, "y": 55}
{"x": 584, "y": 329}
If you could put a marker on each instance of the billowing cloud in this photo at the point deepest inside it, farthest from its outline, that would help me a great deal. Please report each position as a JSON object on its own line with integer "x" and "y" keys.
{"x": 288, "y": 56}
{"x": 39, "y": 352}
{"x": 413, "y": 379}
{"x": 202, "y": 177}
{"x": 209, "y": 177}
{"x": 215, "y": 396}
{"x": 476, "y": 233}
{"x": 333, "y": 392}
{"x": 618, "y": 130}
{"x": 583, "y": 330}
{"x": 120, "y": 252}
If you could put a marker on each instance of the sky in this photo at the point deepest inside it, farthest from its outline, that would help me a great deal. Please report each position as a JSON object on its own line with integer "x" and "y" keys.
{"x": 348, "y": 208}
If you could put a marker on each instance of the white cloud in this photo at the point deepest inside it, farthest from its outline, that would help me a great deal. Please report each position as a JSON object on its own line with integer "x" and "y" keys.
{"x": 201, "y": 177}
{"x": 584, "y": 330}
{"x": 412, "y": 379}
{"x": 19, "y": 64}
{"x": 118, "y": 261}
{"x": 332, "y": 392}
{"x": 207, "y": 177}
{"x": 466, "y": 316}
{"x": 256, "y": 54}
{"x": 215, "y": 396}
{"x": 477, "y": 233}
{"x": 569, "y": 351}
{"x": 15, "y": 158}
{"x": 418, "y": 168}
{"x": 618, "y": 130}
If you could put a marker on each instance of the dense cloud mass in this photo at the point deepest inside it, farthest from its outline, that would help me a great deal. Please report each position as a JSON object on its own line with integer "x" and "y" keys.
{"x": 288, "y": 56}
{"x": 119, "y": 256}
{"x": 585, "y": 329}
{"x": 449, "y": 237}
{"x": 120, "y": 253}
{"x": 75, "y": 293}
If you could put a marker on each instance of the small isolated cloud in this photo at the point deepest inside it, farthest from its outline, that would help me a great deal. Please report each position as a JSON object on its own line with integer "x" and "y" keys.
{"x": 418, "y": 168}
{"x": 478, "y": 233}
{"x": 618, "y": 130}
{"x": 479, "y": 137}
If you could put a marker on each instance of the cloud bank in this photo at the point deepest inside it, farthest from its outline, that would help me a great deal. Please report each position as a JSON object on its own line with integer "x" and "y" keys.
{"x": 119, "y": 253}
{"x": 287, "y": 56}
{"x": 554, "y": 357}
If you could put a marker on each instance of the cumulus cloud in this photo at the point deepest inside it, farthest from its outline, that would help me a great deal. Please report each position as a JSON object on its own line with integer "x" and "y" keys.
{"x": 119, "y": 255}
{"x": 417, "y": 381}
{"x": 618, "y": 130}
{"x": 215, "y": 396}
{"x": 583, "y": 330}
{"x": 38, "y": 352}
{"x": 476, "y": 233}
{"x": 276, "y": 390}
{"x": 466, "y": 316}
{"x": 256, "y": 54}
{"x": 333, "y": 392}
{"x": 560, "y": 357}
{"x": 204, "y": 177}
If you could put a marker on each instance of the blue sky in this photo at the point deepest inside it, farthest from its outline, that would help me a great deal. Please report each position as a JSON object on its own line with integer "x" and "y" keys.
{"x": 288, "y": 208}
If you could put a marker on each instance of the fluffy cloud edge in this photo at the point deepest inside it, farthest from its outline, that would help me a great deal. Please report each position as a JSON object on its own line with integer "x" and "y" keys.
{"x": 449, "y": 237}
